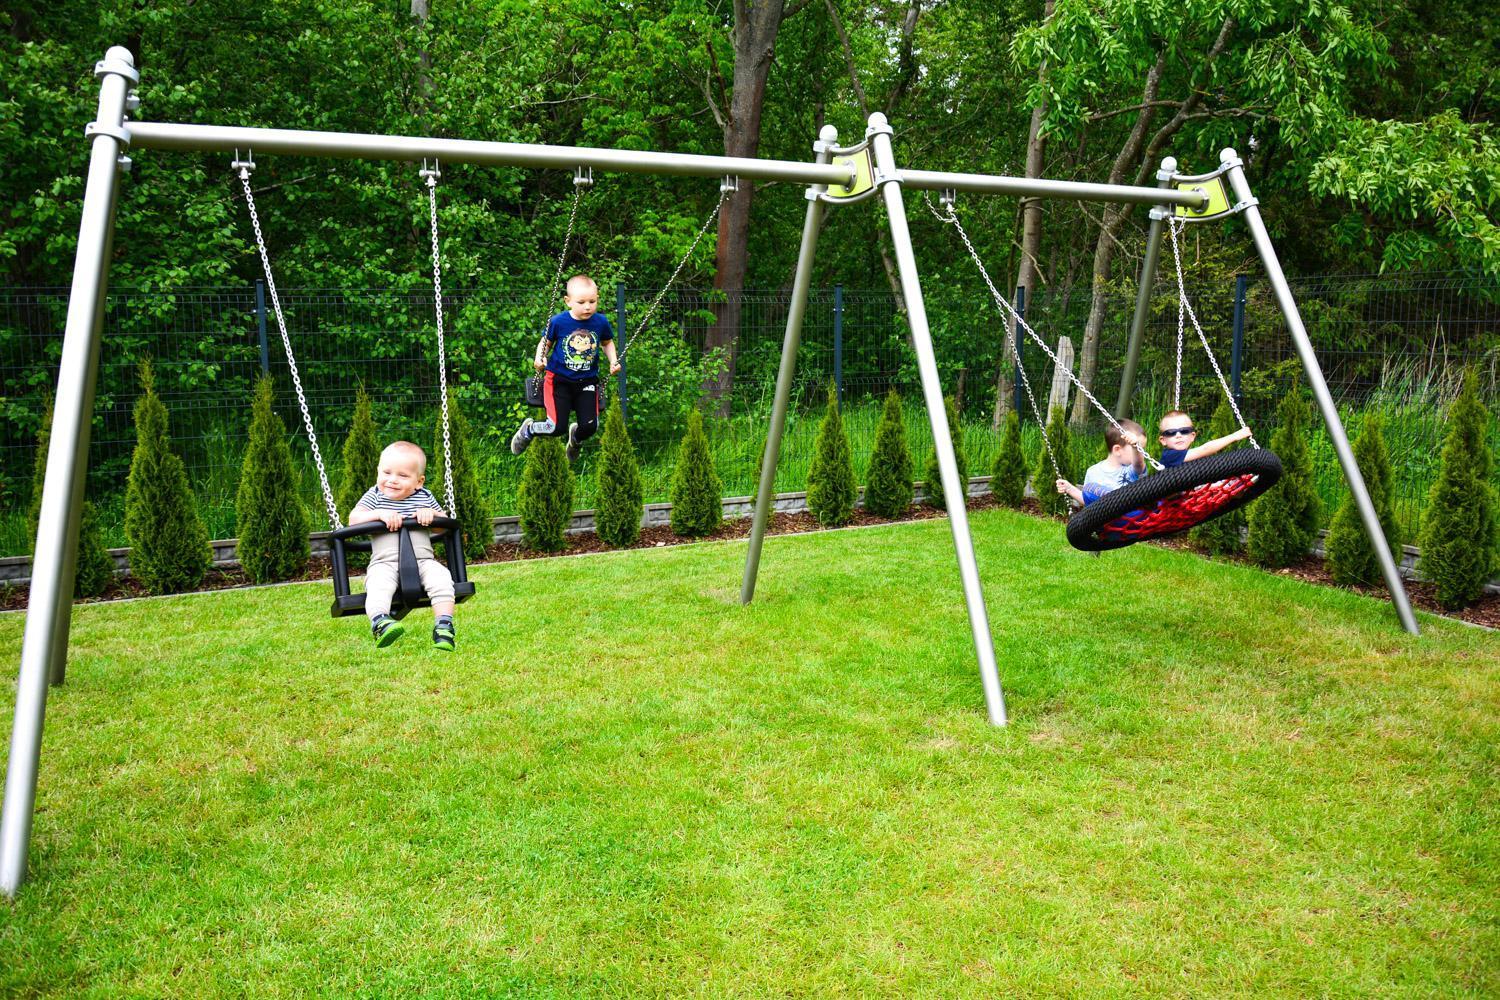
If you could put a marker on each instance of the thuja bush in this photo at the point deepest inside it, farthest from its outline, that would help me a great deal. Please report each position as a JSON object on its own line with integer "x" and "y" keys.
{"x": 1044, "y": 477}
{"x": 830, "y": 480}
{"x": 1459, "y": 537}
{"x": 618, "y": 520}
{"x": 169, "y": 549}
{"x": 1008, "y": 479}
{"x": 1222, "y": 535}
{"x": 271, "y": 522}
{"x": 544, "y": 500}
{"x": 473, "y": 512}
{"x": 934, "y": 478}
{"x": 361, "y": 454}
{"x": 1351, "y": 557}
{"x": 888, "y": 486}
{"x": 93, "y": 568}
{"x": 1283, "y": 521}
{"x": 697, "y": 507}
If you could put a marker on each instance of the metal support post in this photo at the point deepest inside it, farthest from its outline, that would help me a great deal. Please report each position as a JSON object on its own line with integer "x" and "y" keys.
{"x": 838, "y": 342}
{"x": 1247, "y": 204}
{"x": 955, "y": 490}
{"x": 51, "y": 595}
{"x": 1237, "y": 348}
{"x": 260, "y": 323}
{"x": 1159, "y": 216}
{"x": 620, "y": 344}
{"x": 766, "y": 495}
{"x": 1018, "y": 377}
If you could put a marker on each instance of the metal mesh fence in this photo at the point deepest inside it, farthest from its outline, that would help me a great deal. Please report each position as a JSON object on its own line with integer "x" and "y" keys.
{"x": 1395, "y": 344}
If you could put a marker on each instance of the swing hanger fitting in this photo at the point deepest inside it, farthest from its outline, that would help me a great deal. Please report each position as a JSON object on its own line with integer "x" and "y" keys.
{"x": 948, "y": 198}
{"x": 247, "y": 165}
{"x": 429, "y": 174}
{"x": 729, "y": 185}
{"x": 583, "y": 177}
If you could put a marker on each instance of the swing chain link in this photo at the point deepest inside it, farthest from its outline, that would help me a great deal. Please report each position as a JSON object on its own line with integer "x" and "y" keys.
{"x": 286, "y": 343}
{"x": 431, "y": 177}
{"x": 1175, "y": 226}
{"x": 640, "y": 327}
{"x": 1015, "y": 317}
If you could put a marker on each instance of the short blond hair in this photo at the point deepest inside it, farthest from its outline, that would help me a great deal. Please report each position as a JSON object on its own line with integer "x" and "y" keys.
{"x": 1171, "y": 413}
{"x": 408, "y": 449}
{"x": 580, "y": 280}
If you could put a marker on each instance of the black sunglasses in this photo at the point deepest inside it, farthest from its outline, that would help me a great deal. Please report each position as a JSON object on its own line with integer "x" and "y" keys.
{"x": 1174, "y": 431}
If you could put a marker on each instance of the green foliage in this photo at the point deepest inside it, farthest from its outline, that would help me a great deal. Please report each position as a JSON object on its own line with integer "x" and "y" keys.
{"x": 888, "y": 490}
{"x": 94, "y": 567}
{"x": 1221, "y": 536}
{"x": 361, "y": 454}
{"x": 934, "y": 479}
{"x": 544, "y": 500}
{"x": 1008, "y": 480}
{"x": 1460, "y": 538}
{"x": 169, "y": 549}
{"x": 831, "y": 491}
{"x": 617, "y": 520}
{"x": 473, "y": 511}
{"x": 1044, "y": 477}
{"x": 273, "y": 524}
{"x": 1351, "y": 557}
{"x": 1283, "y": 521}
{"x": 697, "y": 507}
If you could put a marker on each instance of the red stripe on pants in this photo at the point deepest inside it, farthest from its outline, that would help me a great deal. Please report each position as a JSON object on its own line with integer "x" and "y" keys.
{"x": 549, "y": 401}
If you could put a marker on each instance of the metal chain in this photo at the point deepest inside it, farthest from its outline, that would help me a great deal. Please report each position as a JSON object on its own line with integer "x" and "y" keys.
{"x": 1174, "y": 227}
{"x": 640, "y": 327}
{"x": 1015, "y": 317}
{"x": 291, "y": 360}
{"x": 437, "y": 298}
{"x": 1181, "y": 310}
{"x": 562, "y": 257}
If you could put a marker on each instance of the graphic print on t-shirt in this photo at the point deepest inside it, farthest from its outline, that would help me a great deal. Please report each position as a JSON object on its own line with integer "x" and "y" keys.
{"x": 579, "y": 350}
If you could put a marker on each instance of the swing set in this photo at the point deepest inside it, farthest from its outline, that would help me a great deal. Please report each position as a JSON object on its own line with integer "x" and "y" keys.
{"x": 836, "y": 176}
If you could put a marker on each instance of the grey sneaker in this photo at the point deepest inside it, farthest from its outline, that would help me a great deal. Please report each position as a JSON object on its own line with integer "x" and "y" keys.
{"x": 386, "y": 630}
{"x": 574, "y": 445}
{"x": 521, "y": 438}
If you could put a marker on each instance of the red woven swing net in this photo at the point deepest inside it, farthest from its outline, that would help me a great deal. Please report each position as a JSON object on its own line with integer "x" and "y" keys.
{"x": 1179, "y": 512}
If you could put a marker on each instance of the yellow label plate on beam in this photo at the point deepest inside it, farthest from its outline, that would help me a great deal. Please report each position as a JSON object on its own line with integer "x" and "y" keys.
{"x": 1218, "y": 200}
{"x": 864, "y": 175}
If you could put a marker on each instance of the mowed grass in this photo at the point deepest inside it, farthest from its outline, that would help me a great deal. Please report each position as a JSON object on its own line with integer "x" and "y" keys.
{"x": 1217, "y": 782}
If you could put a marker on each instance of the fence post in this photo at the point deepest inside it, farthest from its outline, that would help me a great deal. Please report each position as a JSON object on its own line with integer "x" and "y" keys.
{"x": 1241, "y": 284}
{"x": 838, "y": 343}
{"x": 1017, "y": 389}
{"x": 260, "y": 321}
{"x": 620, "y": 342}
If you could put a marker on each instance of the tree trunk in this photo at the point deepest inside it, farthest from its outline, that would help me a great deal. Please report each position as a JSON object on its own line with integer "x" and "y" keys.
{"x": 755, "y": 29}
{"x": 420, "y": 11}
{"x": 1031, "y": 243}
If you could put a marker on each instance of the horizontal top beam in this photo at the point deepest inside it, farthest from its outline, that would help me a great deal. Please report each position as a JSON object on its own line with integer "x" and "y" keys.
{"x": 349, "y": 145}
{"x": 1041, "y": 187}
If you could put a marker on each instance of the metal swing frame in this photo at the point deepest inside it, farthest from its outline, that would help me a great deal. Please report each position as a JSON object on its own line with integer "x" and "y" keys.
{"x": 836, "y": 175}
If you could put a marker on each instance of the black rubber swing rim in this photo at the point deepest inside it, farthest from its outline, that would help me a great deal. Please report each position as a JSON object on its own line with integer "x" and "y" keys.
{"x": 1087, "y": 528}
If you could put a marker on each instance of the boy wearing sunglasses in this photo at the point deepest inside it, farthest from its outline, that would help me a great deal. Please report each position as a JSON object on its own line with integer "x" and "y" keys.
{"x": 1178, "y": 435}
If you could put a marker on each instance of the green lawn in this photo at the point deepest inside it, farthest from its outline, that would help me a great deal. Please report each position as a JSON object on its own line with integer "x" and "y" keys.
{"x": 1216, "y": 783}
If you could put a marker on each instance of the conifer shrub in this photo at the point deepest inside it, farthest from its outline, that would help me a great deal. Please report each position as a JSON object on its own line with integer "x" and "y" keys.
{"x": 94, "y": 567}
{"x": 1222, "y": 535}
{"x": 1008, "y": 480}
{"x": 271, "y": 522}
{"x": 544, "y": 500}
{"x": 934, "y": 480}
{"x": 1283, "y": 521}
{"x": 830, "y": 481}
{"x": 1460, "y": 539}
{"x": 361, "y": 455}
{"x": 618, "y": 519}
{"x": 697, "y": 507}
{"x": 473, "y": 512}
{"x": 169, "y": 549}
{"x": 1351, "y": 557}
{"x": 1044, "y": 477}
{"x": 888, "y": 489}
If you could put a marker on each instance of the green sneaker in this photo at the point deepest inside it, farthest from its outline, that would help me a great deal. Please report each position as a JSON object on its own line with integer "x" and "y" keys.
{"x": 443, "y": 637}
{"x": 387, "y": 630}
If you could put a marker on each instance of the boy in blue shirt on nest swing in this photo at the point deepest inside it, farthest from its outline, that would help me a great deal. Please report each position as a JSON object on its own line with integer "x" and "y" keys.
{"x": 1126, "y": 462}
{"x": 569, "y": 354}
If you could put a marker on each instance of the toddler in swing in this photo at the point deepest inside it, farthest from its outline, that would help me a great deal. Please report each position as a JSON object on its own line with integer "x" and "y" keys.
{"x": 398, "y": 493}
{"x": 1124, "y": 464}
{"x": 568, "y": 354}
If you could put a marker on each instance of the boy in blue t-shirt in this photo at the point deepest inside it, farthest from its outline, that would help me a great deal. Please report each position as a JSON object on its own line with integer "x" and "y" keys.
{"x": 1178, "y": 434}
{"x": 1124, "y": 464}
{"x": 569, "y": 354}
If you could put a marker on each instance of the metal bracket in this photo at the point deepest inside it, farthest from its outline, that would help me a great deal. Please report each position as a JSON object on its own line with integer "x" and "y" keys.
{"x": 948, "y": 198}
{"x": 1159, "y": 213}
{"x": 429, "y": 173}
{"x": 132, "y": 102}
{"x": 860, "y": 161}
{"x": 109, "y": 64}
{"x": 729, "y": 185}
{"x": 116, "y": 132}
{"x": 247, "y": 164}
{"x": 583, "y": 177}
{"x": 124, "y": 163}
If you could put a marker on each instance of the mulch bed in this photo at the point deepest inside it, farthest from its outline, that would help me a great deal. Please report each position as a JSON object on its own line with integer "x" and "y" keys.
{"x": 1485, "y": 612}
